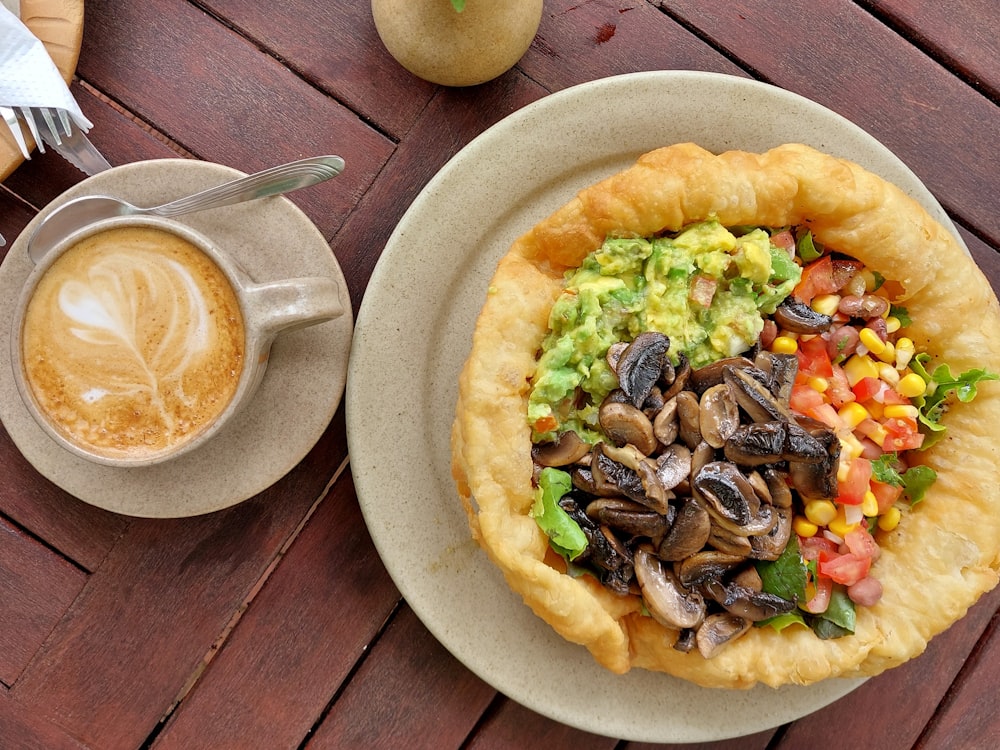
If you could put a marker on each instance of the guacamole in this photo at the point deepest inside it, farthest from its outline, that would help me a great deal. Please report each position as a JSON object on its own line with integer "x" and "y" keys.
{"x": 706, "y": 287}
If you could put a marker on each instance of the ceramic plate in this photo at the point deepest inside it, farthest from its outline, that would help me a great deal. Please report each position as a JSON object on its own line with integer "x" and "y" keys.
{"x": 301, "y": 389}
{"x": 59, "y": 25}
{"x": 413, "y": 335}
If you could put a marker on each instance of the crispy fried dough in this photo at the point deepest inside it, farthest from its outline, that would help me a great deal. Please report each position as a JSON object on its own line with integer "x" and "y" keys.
{"x": 934, "y": 566}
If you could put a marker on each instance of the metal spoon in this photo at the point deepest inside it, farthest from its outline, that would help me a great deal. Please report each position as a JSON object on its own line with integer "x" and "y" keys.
{"x": 86, "y": 210}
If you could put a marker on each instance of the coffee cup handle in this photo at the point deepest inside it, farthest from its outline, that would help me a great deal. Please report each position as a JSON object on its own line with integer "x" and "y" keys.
{"x": 293, "y": 303}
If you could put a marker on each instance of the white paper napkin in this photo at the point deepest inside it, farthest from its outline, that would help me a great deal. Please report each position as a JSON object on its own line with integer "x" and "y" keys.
{"x": 28, "y": 77}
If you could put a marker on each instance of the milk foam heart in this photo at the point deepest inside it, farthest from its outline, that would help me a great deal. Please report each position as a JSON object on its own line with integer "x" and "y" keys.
{"x": 133, "y": 341}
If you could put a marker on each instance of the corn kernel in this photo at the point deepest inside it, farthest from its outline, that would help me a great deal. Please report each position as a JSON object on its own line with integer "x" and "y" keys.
{"x": 872, "y": 341}
{"x": 904, "y": 352}
{"x": 818, "y": 384}
{"x": 871, "y": 283}
{"x": 804, "y": 527}
{"x": 826, "y": 304}
{"x": 859, "y": 366}
{"x": 888, "y": 355}
{"x": 911, "y": 385}
{"x": 869, "y": 504}
{"x": 820, "y": 512}
{"x": 888, "y": 373}
{"x": 784, "y": 345}
{"x": 893, "y": 324}
{"x": 853, "y": 414}
{"x": 839, "y": 525}
{"x": 890, "y": 519}
{"x": 900, "y": 411}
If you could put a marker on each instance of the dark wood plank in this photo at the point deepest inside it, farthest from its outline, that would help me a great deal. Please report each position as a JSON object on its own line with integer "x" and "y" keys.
{"x": 510, "y": 724}
{"x": 579, "y": 42}
{"x": 409, "y": 692}
{"x": 22, "y": 731}
{"x": 451, "y": 120}
{"x": 335, "y": 46}
{"x": 884, "y": 84}
{"x": 207, "y": 101}
{"x": 889, "y": 711}
{"x": 143, "y": 625}
{"x": 963, "y": 34}
{"x": 299, "y": 638}
{"x": 969, "y": 716}
{"x": 36, "y": 587}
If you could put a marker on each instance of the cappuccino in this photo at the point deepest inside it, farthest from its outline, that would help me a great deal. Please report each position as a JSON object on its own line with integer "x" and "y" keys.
{"x": 133, "y": 342}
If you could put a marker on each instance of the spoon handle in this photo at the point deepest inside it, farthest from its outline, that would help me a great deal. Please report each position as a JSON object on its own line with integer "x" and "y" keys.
{"x": 273, "y": 181}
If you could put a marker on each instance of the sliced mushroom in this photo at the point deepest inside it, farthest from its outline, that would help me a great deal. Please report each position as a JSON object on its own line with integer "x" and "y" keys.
{"x": 613, "y": 562}
{"x": 784, "y": 368}
{"x": 749, "y": 604}
{"x": 685, "y": 642}
{"x": 756, "y": 398}
{"x": 817, "y": 481}
{"x": 688, "y": 534}
{"x": 732, "y": 501}
{"x": 769, "y": 546}
{"x": 726, "y": 541}
{"x": 678, "y": 381}
{"x": 653, "y": 493}
{"x": 718, "y": 415}
{"x": 777, "y": 486}
{"x": 640, "y": 365}
{"x": 749, "y": 578}
{"x": 707, "y": 565}
{"x": 612, "y": 478}
{"x": 614, "y": 354}
{"x": 761, "y": 443}
{"x": 759, "y": 485}
{"x": 719, "y": 630}
{"x": 795, "y": 315}
{"x": 666, "y": 426}
{"x": 711, "y": 374}
{"x": 630, "y": 517}
{"x": 673, "y": 465}
{"x": 670, "y": 603}
{"x": 567, "y": 449}
{"x": 688, "y": 417}
{"x": 625, "y": 424}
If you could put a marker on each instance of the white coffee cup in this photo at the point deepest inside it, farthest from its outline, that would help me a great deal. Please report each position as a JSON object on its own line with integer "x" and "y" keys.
{"x": 137, "y": 339}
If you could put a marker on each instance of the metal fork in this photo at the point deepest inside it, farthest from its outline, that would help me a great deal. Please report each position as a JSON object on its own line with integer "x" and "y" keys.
{"x": 10, "y": 118}
{"x": 49, "y": 115}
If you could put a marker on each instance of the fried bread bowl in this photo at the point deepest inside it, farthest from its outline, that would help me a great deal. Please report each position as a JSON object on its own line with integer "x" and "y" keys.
{"x": 943, "y": 555}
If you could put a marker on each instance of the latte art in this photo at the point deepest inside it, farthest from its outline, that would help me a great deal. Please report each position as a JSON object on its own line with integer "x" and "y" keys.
{"x": 133, "y": 342}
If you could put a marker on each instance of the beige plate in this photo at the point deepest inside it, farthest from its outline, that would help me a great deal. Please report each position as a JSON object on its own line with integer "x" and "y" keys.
{"x": 413, "y": 334}
{"x": 301, "y": 389}
{"x": 59, "y": 24}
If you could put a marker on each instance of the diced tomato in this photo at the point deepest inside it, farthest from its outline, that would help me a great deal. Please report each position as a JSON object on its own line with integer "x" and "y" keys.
{"x": 903, "y": 435}
{"x": 817, "y": 278}
{"x": 814, "y": 360}
{"x": 826, "y": 414}
{"x": 868, "y": 388}
{"x": 804, "y": 398}
{"x": 885, "y": 494}
{"x": 890, "y": 396}
{"x": 811, "y": 547}
{"x": 784, "y": 241}
{"x": 839, "y": 389}
{"x": 862, "y": 544}
{"x": 703, "y": 289}
{"x": 546, "y": 424}
{"x": 846, "y": 569}
{"x": 853, "y": 487}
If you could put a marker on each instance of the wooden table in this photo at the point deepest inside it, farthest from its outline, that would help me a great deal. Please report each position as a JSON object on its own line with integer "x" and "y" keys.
{"x": 274, "y": 624}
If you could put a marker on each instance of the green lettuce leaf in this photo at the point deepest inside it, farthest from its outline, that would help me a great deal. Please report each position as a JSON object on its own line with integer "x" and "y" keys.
{"x": 785, "y": 577}
{"x": 942, "y": 387}
{"x": 915, "y": 481}
{"x": 565, "y": 535}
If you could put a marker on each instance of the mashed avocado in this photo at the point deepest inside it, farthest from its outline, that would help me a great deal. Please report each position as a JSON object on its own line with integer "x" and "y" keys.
{"x": 706, "y": 287}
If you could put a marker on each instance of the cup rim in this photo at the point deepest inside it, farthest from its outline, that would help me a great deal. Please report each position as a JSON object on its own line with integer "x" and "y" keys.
{"x": 249, "y": 375}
